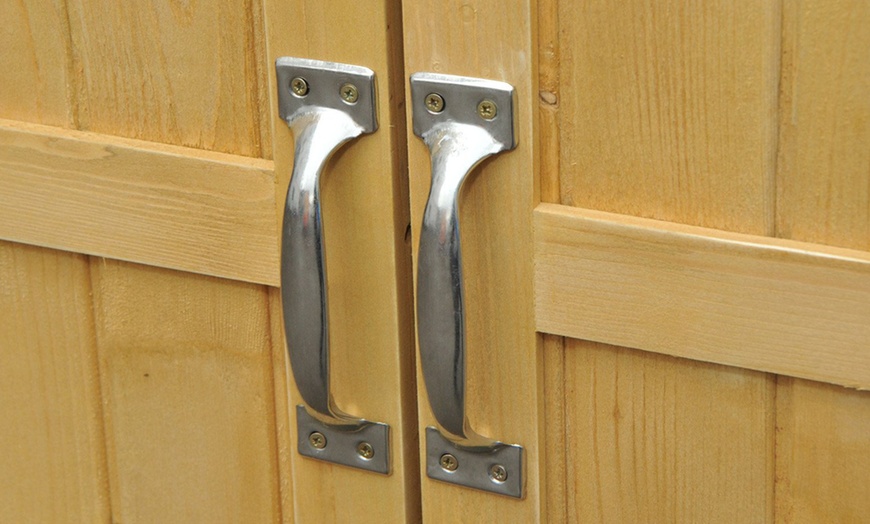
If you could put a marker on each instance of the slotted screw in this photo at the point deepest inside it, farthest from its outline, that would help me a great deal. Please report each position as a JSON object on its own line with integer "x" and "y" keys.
{"x": 498, "y": 473}
{"x": 487, "y": 109}
{"x": 349, "y": 93}
{"x": 434, "y": 102}
{"x": 365, "y": 450}
{"x": 448, "y": 462}
{"x": 299, "y": 86}
{"x": 317, "y": 440}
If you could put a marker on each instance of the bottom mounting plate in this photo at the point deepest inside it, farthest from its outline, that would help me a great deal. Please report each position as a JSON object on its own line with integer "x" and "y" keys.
{"x": 474, "y": 466}
{"x": 342, "y": 442}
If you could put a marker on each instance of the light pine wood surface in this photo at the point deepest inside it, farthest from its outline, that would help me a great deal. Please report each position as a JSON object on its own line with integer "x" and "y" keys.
{"x": 52, "y": 451}
{"x": 640, "y": 433}
{"x": 748, "y": 301}
{"x": 167, "y": 206}
{"x": 649, "y": 117}
{"x": 189, "y": 74}
{"x": 492, "y": 40}
{"x": 186, "y": 373}
{"x": 823, "y": 195}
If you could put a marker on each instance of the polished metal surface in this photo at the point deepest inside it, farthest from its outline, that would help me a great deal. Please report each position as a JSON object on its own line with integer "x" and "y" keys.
{"x": 341, "y": 445}
{"x": 317, "y": 102}
{"x": 459, "y": 135}
{"x": 475, "y": 468}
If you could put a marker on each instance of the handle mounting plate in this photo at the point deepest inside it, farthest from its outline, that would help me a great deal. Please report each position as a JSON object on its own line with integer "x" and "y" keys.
{"x": 342, "y": 445}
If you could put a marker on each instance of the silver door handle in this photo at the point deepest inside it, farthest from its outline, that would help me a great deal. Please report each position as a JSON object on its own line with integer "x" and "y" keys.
{"x": 463, "y": 121}
{"x": 326, "y": 105}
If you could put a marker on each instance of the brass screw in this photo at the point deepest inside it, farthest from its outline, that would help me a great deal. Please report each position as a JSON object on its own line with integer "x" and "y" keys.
{"x": 317, "y": 440}
{"x": 365, "y": 450}
{"x": 299, "y": 86}
{"x": 349, "y": 93}
{"x": 434, "y": 103}
{"x": 487, "y": 109}
{"x": 498, "y": 473}
{"x": 448, "y": 462}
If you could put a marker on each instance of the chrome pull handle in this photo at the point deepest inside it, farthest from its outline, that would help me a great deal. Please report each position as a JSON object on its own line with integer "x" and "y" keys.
{"x": 326, "y": 105}
{"x": 463, "y": 121}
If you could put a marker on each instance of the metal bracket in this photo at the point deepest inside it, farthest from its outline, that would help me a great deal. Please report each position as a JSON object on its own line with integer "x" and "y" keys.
{"x": 497, "y": 469}
{"x": 463, "y": 121}
{"x": 365, "y": 447}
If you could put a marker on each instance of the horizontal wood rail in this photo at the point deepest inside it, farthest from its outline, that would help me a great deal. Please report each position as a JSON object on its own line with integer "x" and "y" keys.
{"x": 161, "y": 205}
{"x": 762, "y": 303}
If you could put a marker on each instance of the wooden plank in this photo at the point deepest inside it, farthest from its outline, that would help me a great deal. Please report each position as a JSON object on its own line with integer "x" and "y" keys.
{"x": 365, "y": 217}
{"x": 653, "y": 438}
{"x": 51, "y": 446}
{"x": 185, "y": 364}
{"x": 504, "y": 368}
{"x": 822, "y": 448}
{"x": 823, "y": 195}
{"x": 823, "y": 181}
{"x": 35, "y": 70}
{"x": 166, "y": 206}
{"x": 768, "y": 304}
{"x": 189, "y": 74}
{"x": 667, "y": 110}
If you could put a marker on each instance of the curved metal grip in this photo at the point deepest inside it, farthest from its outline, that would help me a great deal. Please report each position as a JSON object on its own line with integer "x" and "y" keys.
{"x": 462, "y": 121}
{"x": 319, "y": 133}
{"x": 326, "y": 105}
{"x": 455, "y": 150}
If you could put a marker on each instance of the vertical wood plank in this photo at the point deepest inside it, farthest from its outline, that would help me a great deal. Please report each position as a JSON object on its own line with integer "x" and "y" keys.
{"x": 365, "y": 216}
{"x": 184, "y": 73}
{"x": 654, "y": 438}
{"x": 556, "y": 454}
{"x": 52, "y": 454}
{"x": 186, "y": 375}
{"x": 823, "y": 180}
{"x": 668, "y": 110}
{"x": 823, "y": 195}
{"x": 504, "y": 363}
{"x": 35, "y": 68}
{"x": 822, "y": 448}
{"x": 659, "y": 116}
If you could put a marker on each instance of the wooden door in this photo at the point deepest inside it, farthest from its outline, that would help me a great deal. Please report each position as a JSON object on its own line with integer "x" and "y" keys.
{"x": 143, "y": 168}
{"x": 685, "y": 225}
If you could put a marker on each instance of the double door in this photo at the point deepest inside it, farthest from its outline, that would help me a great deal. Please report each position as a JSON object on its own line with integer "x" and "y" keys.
{"x": 666, "y": 281}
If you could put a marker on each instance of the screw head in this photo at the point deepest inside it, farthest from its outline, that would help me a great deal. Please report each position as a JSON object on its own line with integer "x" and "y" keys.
{"x": 349, "y": 93}
{"x": 299, "y": 86}
{"x": 317, "y": 440}
{"x": 448, "y": 462}
{"x": 365, "y": 450}
{"x": 434, "y": 103}
{"x": 497, "y": 473}
{"x": 487, "y": 109}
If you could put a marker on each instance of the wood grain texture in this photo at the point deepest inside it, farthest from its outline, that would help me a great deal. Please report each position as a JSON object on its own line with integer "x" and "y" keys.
{"x": 167, "y": 206}
{"x": 52, "y": 453}
{"x": 504, "y": 368}
{"x": 183, "y": 73}
{"x": 822, "y": 443}
{"x": 823, "y": 183}
{"x": 365, "y": 219}
{"x": 653, "y": 438}
{"x": 741, "y": 300}
{"x": 823, "y": 180}
{"x": 35, "y": 71}
{"x": 185, "y": 364}
{"x": 667, "y": 110}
